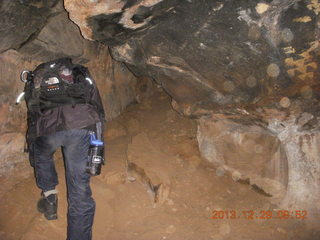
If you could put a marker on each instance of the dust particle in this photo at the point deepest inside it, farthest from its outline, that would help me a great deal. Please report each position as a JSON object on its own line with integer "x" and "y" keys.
{"x": 286, "y": 35}
{"x": 224, "y": 229}
{"x": 251, "y": 81}
{"x": 285, "y": 102}
{"x": 171, "y": 229}
{"x": 220, "y": 171}
{"x": 273, "y": 70}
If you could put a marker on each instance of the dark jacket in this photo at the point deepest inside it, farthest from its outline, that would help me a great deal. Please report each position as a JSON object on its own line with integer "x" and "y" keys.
{"x": 73, "y": 116}
{"x": 66, "y": 117}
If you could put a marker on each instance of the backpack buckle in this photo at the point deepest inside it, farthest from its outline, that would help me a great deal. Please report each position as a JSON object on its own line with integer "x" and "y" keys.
{"x": 24, "y": 76}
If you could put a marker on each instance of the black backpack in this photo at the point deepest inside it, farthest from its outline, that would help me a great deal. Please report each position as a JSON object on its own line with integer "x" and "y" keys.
{"x": 56, "y": 83}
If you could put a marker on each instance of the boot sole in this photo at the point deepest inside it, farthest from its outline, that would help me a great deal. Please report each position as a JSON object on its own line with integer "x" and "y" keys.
{"x": 51, "y": 216}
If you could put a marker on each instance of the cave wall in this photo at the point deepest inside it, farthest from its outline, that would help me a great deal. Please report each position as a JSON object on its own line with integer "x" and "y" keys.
{"x": 13, "y": 118}
{"x": 21, "y": 20}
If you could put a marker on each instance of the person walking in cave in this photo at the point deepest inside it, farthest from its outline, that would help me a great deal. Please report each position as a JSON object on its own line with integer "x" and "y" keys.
{"x": 64, "y": 111}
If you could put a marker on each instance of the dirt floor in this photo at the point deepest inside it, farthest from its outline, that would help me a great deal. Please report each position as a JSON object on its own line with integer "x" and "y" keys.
{"x": 154, "y": 186}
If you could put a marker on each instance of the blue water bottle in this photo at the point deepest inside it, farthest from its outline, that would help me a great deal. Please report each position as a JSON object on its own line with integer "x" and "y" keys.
{"x": 95, "y": 156}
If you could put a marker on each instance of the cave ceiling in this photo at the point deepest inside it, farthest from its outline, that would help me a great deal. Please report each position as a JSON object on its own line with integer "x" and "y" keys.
{"x": 206, "y": 54}
{"x": 212, "y": 54}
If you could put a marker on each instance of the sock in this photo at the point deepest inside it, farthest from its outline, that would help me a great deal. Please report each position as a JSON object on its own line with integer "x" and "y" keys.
{"x": 47, "y": 193}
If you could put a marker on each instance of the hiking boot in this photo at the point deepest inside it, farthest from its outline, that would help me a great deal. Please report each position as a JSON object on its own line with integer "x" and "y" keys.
{"x": 48, "y": 206}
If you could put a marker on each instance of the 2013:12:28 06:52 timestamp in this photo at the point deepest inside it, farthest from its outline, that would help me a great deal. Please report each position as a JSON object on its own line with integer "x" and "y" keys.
{"x": 261, "y": 214}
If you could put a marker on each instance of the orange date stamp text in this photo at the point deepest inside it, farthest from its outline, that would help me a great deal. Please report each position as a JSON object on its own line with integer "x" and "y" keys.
{"x": 259, "y": 214}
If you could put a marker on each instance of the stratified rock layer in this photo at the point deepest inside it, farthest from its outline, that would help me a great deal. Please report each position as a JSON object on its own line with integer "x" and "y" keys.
{"x": 302, "y": 150}
{"x": 250, "y": 153}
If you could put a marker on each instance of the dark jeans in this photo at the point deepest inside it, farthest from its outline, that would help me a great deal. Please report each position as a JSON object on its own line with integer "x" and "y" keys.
{"x": 81, "y": 206}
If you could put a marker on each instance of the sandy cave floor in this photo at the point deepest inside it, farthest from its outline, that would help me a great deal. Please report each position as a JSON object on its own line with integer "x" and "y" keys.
{"x": 163, "y": 144}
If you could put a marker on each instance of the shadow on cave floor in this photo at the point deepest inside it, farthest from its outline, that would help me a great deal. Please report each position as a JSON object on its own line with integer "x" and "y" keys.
{"x": 165, "y": 166}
